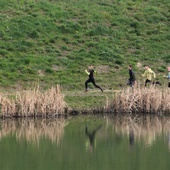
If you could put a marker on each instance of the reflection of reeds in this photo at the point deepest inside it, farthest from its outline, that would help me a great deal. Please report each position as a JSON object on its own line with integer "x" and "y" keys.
{"x": 140, "y": 100}
{"x": 34, "y": 130}
{"x": 33, "y": 103}
{"x": 143, "y": 128}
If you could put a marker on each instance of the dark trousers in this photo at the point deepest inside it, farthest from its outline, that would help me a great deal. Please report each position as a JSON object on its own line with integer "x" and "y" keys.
{"x": 169, "y": 84}
{"x": 147, "y": 81}
{"x": 131, "y": 83}
{"x": 91, "y": 81}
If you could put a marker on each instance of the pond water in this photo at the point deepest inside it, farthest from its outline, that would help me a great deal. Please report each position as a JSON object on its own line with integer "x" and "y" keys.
{"x": 86, "y": 143}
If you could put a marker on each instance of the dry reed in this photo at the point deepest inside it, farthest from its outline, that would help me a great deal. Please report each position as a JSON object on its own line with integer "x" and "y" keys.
{"x": 140, "y": 100}
{"x": 33, "y": 103}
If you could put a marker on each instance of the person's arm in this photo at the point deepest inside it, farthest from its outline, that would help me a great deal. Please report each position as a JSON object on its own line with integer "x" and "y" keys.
{"x": 154, "y": 75}
{"x": 87, "y": 72}
{"x": 95, "y": 72}
{"x": 144, "y": 74}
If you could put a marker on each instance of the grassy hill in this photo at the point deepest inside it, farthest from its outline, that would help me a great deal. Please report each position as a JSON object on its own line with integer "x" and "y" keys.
{"x": 53, "y": 41}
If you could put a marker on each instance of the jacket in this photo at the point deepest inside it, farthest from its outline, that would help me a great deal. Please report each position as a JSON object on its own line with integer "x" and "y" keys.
{"x": 149, "y": 73}
{"x": 168, "y": 77}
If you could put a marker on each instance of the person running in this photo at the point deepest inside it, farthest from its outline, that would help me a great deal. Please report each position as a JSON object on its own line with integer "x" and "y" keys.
{"x": 168, "y": 76}
{"x": 90, "y": 72}
{"x": 148, "y": 74}
{"x": 132, "y": 79}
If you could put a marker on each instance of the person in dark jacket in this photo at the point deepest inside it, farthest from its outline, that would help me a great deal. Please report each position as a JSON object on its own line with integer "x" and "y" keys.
{"x": 90, "y": 72}
{"x": 132, "y": 78}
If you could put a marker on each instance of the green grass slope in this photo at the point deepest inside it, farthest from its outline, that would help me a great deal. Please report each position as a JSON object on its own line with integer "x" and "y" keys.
{"x": 53, "y": 41}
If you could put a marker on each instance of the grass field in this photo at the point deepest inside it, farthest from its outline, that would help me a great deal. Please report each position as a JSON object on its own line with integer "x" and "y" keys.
{"x": 53, "y": 41}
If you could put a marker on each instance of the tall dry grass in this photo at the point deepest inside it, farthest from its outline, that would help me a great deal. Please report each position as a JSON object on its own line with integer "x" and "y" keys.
{"x": 34, "y": 130}
{"x": 33, "y": 103}
{"x": 140, "y": 100}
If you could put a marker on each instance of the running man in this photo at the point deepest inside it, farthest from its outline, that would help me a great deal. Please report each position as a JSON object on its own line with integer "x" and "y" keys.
{"x": 132, "y": 79}
{"x": 148, "y": 74}
{"x": 90, "y": 72}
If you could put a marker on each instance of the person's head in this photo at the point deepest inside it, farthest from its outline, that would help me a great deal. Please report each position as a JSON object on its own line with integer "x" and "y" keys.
{"x": 130, "y": 67}
{"x": 90, "y": 67}
{"x": 168, "y": 68}
{"x": 146, "y": 67}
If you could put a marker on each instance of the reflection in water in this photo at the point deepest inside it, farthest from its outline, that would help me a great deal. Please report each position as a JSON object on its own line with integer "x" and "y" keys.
{"x": 169, "y": 140}
{"x": 33, "y": 130}
{"x": 122, "y": 143}
{"x": 131, "y": 137}
{"x": 144, "y": 129}
{"x": 91, "y": 136}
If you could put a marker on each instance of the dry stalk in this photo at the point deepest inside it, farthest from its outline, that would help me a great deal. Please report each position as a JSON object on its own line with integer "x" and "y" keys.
{"x": 33, "y": 103}
{"x": 140, "y": 100}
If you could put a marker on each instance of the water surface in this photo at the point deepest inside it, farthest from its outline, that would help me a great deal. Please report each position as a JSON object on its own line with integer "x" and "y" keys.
{"x": 86, "y": 143}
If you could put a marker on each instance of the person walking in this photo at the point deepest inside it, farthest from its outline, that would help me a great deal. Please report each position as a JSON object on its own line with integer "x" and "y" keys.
{"x": 132, "y": 79}
{"x": 148, "y": 74}
{"x": 90, "y": 72}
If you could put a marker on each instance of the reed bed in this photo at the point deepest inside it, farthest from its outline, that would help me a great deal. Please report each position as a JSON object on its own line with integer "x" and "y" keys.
{"x": 33, "y": 102}
{"x": 140, "y": 100}
{"x": 34, "y": 130}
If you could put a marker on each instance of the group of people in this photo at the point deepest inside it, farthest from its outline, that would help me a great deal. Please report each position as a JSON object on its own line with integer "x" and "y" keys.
{"x": 149, "y": 74}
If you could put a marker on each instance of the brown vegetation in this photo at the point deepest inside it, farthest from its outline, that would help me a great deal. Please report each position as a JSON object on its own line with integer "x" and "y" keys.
{"x": 33, "y": 103}
{"x": 140, "y": 100}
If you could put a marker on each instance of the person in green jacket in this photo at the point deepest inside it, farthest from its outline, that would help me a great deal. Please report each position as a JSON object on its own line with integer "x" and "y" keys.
{"x": 149, "y": 74}
{"x": 90, "y": 72}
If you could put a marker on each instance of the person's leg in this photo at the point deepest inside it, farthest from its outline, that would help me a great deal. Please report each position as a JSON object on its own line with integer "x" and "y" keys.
{"x": 86, "y": 84}
{"x": 93, "y": 81}
{"x": 169, "y": 84}
{"x": 130, "y": 83}
{"x": 133, "y": 84}
{"x": 147, "y": 81}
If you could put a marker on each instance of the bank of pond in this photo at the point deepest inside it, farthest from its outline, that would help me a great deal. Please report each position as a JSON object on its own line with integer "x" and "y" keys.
{"x": 50, "y": 103}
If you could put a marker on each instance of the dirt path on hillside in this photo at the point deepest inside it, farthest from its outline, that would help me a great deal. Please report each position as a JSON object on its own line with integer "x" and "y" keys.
{"x": 90, "y": 93}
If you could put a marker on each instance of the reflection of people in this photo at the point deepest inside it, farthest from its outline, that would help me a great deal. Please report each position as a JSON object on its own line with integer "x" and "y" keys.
{"x": 91, "y": 79}
{"x": 168, "y": 76}
{"x": 91, "y": 136}
{"x": 131, "y": 138}
{"x": 168, "y": 140}
{"x": 132, "y": 78}
{"x": 148, "y": 74}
